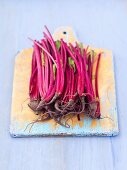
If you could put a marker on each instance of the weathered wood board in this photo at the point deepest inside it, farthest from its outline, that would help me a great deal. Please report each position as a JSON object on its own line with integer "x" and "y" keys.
{"x": 21, "y": 115}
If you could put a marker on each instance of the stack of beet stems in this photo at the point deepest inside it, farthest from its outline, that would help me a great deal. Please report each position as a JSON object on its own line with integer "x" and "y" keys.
{"x": 61, "y": 83}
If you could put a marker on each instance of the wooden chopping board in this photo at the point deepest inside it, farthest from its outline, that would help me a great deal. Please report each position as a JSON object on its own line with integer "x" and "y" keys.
{"x": 21, "y": 115}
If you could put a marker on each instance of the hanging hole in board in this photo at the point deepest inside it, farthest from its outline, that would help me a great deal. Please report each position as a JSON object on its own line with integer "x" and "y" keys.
{"x": 64, "y": 32}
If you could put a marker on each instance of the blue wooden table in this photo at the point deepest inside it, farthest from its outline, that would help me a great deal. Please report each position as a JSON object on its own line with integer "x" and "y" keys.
{"x": 99, "y": 23}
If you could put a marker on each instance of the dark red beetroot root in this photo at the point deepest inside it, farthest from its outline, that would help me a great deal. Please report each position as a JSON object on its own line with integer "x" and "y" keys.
{"x": 61, "y": 81}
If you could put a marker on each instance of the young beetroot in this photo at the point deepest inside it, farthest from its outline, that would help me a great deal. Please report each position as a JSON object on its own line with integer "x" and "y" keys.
{"x": 61, "y": 80}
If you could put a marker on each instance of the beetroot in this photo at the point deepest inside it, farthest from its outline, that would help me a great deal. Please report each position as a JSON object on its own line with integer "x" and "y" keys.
{"x": 61, "y": 80}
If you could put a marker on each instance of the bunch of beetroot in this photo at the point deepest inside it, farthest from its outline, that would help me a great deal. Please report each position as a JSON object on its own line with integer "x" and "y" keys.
{"x": 61, "y": 80}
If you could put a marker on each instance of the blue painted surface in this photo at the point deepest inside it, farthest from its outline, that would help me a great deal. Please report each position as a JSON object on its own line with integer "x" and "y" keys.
{"x": 100, "y": 23}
